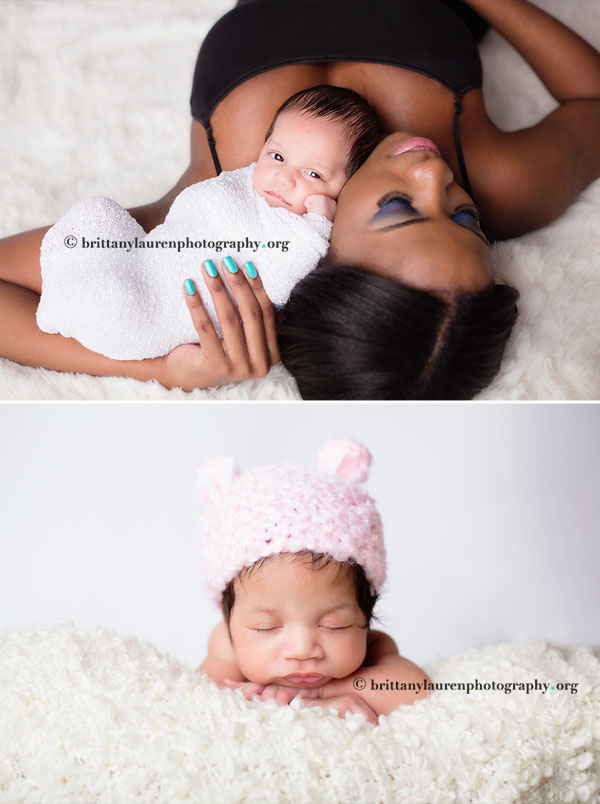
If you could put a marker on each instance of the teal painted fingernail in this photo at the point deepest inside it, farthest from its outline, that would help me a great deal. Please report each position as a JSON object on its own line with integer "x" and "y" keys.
{"x": 209, "y": 267}
{"x": 250, "y": 269}
{"x": 230, "y": 265}
{"x": 189, "y": 287}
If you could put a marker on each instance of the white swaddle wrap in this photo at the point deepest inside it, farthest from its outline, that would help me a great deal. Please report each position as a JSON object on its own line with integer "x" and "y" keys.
{"x": 127, "y": 302}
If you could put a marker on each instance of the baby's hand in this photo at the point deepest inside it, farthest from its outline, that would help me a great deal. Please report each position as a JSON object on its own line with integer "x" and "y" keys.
{"x": 270, "y": 692}
{"x": 348, "y": 702}
{"x": 321, "y": 205}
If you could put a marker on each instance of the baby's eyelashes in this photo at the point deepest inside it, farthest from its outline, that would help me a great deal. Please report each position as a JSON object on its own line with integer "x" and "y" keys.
{"x": 335, "y": 627}
{"x": 266, "y": 630}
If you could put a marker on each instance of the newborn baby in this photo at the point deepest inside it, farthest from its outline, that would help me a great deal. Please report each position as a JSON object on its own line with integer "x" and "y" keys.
{"x": 294, "y": 557}
{"x": 126, "y": 303}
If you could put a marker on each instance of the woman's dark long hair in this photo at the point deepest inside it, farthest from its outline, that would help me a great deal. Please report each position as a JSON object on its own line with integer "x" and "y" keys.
{"x": 350, "y": 334}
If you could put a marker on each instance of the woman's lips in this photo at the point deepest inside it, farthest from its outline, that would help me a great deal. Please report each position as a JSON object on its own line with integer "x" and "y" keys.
{"x": 417, "y": 144}
{"x": 304, "y": 678}
{"x": 278, "y": 197}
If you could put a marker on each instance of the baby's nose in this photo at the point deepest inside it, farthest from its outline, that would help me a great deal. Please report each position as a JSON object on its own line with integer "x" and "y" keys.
{"x": 286, "y": 178}
{"x": 302, "y": 645}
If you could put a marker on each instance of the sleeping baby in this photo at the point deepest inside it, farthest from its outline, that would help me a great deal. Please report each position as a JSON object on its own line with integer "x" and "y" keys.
{"x": 126, "y": 303}
{"x": 294, "y": 558}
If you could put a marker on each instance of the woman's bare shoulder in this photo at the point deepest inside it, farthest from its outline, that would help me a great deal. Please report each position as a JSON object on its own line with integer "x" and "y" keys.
{"x": 525, "y": 179}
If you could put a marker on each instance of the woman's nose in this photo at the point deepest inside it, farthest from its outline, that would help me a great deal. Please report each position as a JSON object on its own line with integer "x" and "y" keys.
{"x": 431, "y": 177}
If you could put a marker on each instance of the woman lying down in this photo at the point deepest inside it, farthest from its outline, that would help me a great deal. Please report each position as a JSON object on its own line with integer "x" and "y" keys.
{"x": 294, "y": 557}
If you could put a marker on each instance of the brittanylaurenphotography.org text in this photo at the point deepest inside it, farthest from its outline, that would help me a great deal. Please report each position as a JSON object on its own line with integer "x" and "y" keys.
{"x": 72, "y": 241}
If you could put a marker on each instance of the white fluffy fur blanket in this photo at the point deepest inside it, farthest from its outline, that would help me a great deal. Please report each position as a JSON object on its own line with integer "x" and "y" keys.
{"x": 97, "y": 717}
{"x": 94, "y": 100}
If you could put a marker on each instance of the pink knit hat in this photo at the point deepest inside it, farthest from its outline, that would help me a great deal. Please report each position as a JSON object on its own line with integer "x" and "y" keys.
{"x": 286, "y": 509}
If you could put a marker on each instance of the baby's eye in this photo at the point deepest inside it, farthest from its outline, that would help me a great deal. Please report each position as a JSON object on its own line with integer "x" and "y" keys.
{"x": 336, "y": 627}
{"x": 313, "y": 174}
{"x": 276, "y": 156}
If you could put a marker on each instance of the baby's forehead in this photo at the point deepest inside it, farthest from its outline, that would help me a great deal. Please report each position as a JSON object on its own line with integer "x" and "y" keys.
{"x": 286, "y": 123}
{"x": 274, "y": 577}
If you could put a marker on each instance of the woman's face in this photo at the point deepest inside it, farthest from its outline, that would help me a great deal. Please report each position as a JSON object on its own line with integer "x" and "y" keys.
{"x": 403, "y": 216}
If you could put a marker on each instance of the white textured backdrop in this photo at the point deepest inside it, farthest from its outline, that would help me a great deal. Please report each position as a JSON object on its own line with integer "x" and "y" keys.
{"x": 94, "y": 100}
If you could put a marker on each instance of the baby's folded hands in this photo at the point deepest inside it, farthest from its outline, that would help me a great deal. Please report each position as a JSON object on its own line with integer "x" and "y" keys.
{"x": 321, "y": 205}
{"x": 347, "y": 702}
{"x": 272, "y": 692}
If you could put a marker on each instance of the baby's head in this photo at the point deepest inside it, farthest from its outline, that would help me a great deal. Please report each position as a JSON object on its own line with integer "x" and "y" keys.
{"x": 299, "y": 619}
{"x": 294, "y": 556}
{"x": 317, "y": 140}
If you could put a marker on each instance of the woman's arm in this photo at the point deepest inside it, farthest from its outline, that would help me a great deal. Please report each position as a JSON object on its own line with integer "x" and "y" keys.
{"x": 247, "y": 350}
{"x": 523, "y": 180}
{"x": 21, "y": 340}
{"x": 568, "y": 66}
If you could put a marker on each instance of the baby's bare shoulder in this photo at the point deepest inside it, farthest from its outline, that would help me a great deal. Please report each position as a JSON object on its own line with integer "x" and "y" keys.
{"x": 219, "y": 643}
{"x": 379, "y": 645}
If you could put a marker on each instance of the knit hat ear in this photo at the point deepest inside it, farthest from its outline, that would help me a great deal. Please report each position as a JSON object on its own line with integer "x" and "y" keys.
{"x": 216, "y": 475}
{"x": 345, "y": 458}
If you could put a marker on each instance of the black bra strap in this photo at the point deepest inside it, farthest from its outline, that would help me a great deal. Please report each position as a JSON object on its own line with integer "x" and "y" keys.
{"x": 458, "y": 146}
{"x": 213, "y": 149}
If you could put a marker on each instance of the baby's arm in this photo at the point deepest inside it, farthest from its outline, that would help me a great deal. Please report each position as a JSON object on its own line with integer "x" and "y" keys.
{"x": 385, "y": 681}
{"x": 321, "y": 205}
{"x": 221, "y": 662}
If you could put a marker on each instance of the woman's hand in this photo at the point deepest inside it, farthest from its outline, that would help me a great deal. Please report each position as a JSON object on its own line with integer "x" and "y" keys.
{"x": 248, "y": 349}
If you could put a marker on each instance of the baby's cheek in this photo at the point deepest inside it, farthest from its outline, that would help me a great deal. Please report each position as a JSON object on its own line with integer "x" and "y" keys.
{"x": 254, "y": 664}
{"x": 350, "y": 656}
{"x": 258, "y": 177}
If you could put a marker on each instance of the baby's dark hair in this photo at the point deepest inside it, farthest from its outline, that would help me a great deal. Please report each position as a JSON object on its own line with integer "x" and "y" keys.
{"x": 366, "y": 598}
{"x": 361, "y": 126}
{"x": 350, "y": 334}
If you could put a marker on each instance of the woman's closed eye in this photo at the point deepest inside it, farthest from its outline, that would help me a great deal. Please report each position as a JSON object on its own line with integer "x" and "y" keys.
{"x": 395, "y": 207}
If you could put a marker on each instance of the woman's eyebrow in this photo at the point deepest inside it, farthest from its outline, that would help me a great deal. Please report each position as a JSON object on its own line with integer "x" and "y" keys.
{"x": 481, "y": 236}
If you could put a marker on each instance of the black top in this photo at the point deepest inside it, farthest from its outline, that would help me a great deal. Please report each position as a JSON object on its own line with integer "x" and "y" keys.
{"x": 426, "y": 36}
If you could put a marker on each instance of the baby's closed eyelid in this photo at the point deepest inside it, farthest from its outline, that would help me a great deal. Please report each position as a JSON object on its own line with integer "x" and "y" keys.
{"x": 335, "y": 627}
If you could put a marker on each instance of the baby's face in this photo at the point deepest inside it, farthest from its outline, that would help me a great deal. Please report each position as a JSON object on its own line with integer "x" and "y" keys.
{"x": 303, "y": 156}
{"x": 297, "y": 626}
